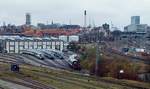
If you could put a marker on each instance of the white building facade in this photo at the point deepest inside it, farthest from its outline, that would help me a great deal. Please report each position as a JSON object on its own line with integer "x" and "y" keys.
{"x": 17, "y": 44}
{"x": 67, "y": 39}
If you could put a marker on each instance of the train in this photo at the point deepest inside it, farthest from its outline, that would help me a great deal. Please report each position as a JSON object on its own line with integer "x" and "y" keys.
{"x": 34, "y": 53}
{"x": 71, "y": 60}
{"x": 57, "y": 54}
{"x": 74, "y": 62}
{"x": 46, "y": 54}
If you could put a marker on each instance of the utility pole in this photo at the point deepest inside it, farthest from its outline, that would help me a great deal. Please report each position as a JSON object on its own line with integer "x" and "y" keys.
{"x": 97, "y": 59}
{"x": 97, "y": 53}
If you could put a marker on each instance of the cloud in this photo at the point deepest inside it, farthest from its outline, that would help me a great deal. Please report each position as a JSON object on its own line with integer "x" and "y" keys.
{"x": 101, "y": 11}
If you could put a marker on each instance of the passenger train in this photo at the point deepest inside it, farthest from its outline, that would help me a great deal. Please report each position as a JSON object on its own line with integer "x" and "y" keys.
{"x": 71, "y": 60}
{"x": 48, "y": 54}
{"x": 57, "y": 54}
{"x": 34, "y": 53}
{"x": 74, "y": 62}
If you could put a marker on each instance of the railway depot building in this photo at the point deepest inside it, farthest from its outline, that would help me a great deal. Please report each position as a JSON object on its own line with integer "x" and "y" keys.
{"x": 16, "y": 44}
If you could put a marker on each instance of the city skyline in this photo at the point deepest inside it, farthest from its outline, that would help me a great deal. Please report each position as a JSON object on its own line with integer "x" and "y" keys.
{"x": 66, "y": 11}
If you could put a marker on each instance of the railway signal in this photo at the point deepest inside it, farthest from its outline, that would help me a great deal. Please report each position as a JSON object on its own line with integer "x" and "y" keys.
{"x": 15, "y": 67}
{"x": 120, "y": 74}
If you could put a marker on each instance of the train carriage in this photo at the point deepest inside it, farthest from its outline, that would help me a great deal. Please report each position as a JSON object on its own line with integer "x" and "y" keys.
{"x": 34, "y": 53}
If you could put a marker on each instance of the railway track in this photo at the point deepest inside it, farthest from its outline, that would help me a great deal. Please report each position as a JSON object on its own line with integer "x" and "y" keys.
{"x": 74, "y": 81}
{"x": 13, "y": 57}
{"x": 36, "y": 83}
{"x": 124, "y": 84}
{"x": 61, "y": 64}
{"x": 27, "y": 59}
{"x": 35, "y": 60}
{"x": 128, "y": 56}
{"x": 50, "y": 62}
{"x": 28, "y": 83}
{"x": 46, "y": 62}
{"x": 20, "y": 83}
{"x": 6, "y": 59}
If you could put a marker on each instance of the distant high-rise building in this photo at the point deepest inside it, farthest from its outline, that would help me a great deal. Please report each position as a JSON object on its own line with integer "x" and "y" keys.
{"x": 135, "y": 20}
{"x": 28, "y": 19}
{"x": 136, "y": 26}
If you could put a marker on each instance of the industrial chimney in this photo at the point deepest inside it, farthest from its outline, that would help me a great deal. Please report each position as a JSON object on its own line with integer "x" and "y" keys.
{"x": 85, "y": 13}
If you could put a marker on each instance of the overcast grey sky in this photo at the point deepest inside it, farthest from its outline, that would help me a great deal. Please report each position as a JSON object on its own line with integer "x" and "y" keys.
{"x": 61, "y": 11}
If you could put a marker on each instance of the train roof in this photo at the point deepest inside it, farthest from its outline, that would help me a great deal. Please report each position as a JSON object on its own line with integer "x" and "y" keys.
{"x": 33, "y": 50}
{"x": 72, "y": 57}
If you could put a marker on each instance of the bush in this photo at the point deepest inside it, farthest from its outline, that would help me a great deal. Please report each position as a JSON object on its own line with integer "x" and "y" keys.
{"x": 109, "y": 66}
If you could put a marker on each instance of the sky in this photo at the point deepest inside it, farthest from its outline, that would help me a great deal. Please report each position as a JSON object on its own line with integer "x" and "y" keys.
{"x": 117, "y": 12}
